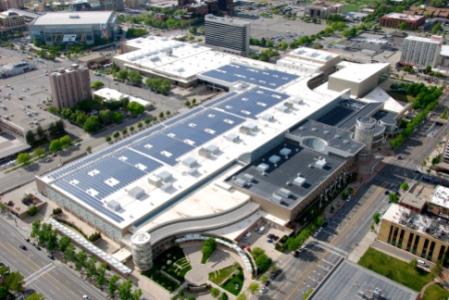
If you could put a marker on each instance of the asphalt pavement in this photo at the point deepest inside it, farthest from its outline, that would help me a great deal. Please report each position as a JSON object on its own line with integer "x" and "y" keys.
{"x": 50, "y": 277}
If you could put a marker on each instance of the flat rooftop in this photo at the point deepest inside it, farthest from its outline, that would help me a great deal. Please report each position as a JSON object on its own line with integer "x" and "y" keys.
{"x": 325, "y": 138}
{"x": 74, "y": 18}
{"x": 440, "y": 196}
{"x": 425, "y": 224}
{"x": 350, "y": 281}
{"x": 346, "y": 113}
{"x": 405, "y": 17}
{"x": 227, "y": 20}
{"x": 114, "y": 95}
{"x": 167, "y": 160}
{"x": 230, "y": 74}
{"x": 317, "y": 55}
{"x": 358, "y": 72}
{"x": 287, "y": 174}
{"x": 432, "y": 40}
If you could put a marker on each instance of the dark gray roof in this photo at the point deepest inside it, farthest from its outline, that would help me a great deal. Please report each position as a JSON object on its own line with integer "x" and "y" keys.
{"x": 387, "y": 117}
{"x": 335, "y": 140}
{"x": 299, "y": 173}
{"x": 347, "y": 111}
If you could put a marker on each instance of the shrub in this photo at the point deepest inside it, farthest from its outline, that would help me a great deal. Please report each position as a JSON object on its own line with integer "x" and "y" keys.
{"x": 208, "y": 248}
{"x": 32, "y": 211}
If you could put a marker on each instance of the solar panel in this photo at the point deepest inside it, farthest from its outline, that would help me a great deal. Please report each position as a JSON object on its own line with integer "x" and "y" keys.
{"x": 263, "y": 77}
{"x": 251, "y": 103}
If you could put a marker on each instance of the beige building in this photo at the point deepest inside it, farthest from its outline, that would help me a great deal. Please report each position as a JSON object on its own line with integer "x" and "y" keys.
{"x": 322, "y": 9}
{"x": 422, "y": 235}
{"x": 70, "y": 86}
{"x": 11, "y": 22}
{"x": 360, "y": 79}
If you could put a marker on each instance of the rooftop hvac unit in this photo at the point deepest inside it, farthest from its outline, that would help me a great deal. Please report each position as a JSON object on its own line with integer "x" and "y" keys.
{"x": 232, "y": 137}
{"x": 299, "y": 181}
{"x": 165, "y": 176}
{"x": 283, "y": 108}
{"x": 285, "y": 193}
{"x": 242, "y": 182}
{"x": 321, "y": 163}
{"x": 249, "y": 129}
{"x": 268, "y": 118}
{"x": 274, "y": 159}
{"x": 210, "y": 151}
{"x": 154, "y": 180}
{"x": 114, "y": 205}
{"x": 278, "y": 198}
{"x": 285, "y": 152}
{"x": 137, "y": 193}
{"x": 190, "y": 163}
{"x": 248, "y": 177}
{"x": 263, "y": 167}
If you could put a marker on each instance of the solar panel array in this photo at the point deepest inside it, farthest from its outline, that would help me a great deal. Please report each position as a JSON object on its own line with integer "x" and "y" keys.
{"x": 99, "y": 175}
{"x": 232, "y": 73}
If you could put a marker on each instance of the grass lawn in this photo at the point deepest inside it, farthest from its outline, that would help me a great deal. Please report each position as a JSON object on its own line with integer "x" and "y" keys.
{"x": 219, "y": 276}
{"x": 235, "y": 283}
{"x": 395, "y": 269}
{"x": 436, "y": 292}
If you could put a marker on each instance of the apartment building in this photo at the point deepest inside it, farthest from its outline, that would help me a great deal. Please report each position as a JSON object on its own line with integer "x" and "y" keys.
{"x": 69, "y": 86}
{"x": 421, "y": 51}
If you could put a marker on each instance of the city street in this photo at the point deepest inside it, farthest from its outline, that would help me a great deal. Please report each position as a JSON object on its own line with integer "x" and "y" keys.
{"x": 51, "y": 278}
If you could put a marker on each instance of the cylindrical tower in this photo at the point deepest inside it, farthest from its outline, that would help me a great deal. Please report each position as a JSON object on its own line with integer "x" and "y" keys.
{"x": 364, "y": 131}
{"x": 142, "y": 252}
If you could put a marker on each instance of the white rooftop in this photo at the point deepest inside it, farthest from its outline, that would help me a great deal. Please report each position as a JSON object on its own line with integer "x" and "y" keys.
{"x": 114, "y": 95}
{"x": 434, "y": 39}
{"x": 358, "y": 72}
{"x": 444, "y": 50}
{"x": 404, "y": 16}
{"x": 440, "y": 196}
{"x": 318, "y": 55}
{"x": 74, "y": 18}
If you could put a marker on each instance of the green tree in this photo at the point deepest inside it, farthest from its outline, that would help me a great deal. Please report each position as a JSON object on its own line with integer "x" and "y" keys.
{"x": 116, "y": 134}
{"x": 404, "y": 186}
{"x": 438, "y": 3}
{"x": 69, "y": 253}
{"x": 23, "y": 158}
{"x": 80, "y": 260}
{"x": 393, "y": 198}
{"x": 30, "y": 138}
{"x": 97, "y": 84}
{"x": 121, "y": 75}
{"x": 66, "y": 141}
{"x": 253, "y": 287}
{"x": 242, "y": 296}
{"x": 214, "y": 292}
{"x": 376, "y": 217}
{"x": 436, "y": 28}
{"x": 55, "y": 146}
{"x": 134, "y": 78}
{"x": 112, "y": 286}
{"x": 39, "y": 152}
{"x": 124, "y": 290}
{"x": 92, "y": 124}
{"x": 403, "y": 26}
{"x": 32, "y": 211}
{"x": 91, "y": 267}
{"x": 117, "y": 117}
{"x": 101, "y": 275}
{"x": 137, "y": 294}
{"x": 35, "y": 296}
{"x": 14, "y": 282}
{"x": 106, "y": 116}
{"x": 63, "y": 243}
{"x": 135, "y": 108}
{"x": 108, "y": 139}
{"x": 207, "y": 249}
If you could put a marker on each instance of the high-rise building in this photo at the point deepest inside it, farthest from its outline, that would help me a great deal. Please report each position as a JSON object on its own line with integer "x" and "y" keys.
{"x": 228, "y": 34}
{"x": 114, "y": 5}
{"x": 7, "y": 4}
{"x": 69, "y": 86}
{"x": 420, "y": 51}
{"x": 226, "y": 5}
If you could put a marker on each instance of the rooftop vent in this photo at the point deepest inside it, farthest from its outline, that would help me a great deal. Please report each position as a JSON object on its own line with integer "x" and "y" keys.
{"x": 285, "y": 152}
{"x": 249, "y": 129}
{"x": 274, "y": 159}
{"x": 232, "y": 137}
{"x": 299, "y": 181}
{"x": 321, "y": 163}
{"x": 210, "y": 151}
{"x": 137, "y": 193}
{"x": 114, "y": 205}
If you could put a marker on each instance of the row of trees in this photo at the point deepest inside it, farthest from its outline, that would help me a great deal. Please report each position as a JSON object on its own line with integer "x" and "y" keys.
{"x": 425, "y": 100}
{"x": 135, "y": 32}
{"x": 265, "y": 55}
{"x": 130, "y": 76}
{"x": 158, "y": 85}
{"x": 93, "y": 115}
{"x": 60, "y": 144}
{"x": 11, "y": 285}
{"x": 168, "y": 18}
{"x": 55, "y": 130}
{"x": 47, "y": 237}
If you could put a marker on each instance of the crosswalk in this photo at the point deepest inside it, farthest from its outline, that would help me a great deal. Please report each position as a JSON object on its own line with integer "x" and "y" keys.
{"x": 42, "y": 271}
